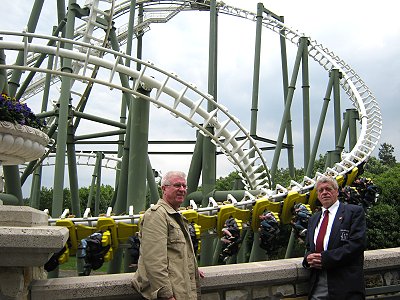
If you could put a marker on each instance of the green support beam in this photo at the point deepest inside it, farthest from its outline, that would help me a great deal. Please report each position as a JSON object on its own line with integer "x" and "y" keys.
{"x": 320, "y": 125}
{"x": 286, "y": 113}
{"x": 64, "y": 102}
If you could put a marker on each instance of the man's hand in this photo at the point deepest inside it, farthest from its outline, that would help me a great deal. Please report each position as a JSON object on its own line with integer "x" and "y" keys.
{"x": 315, "y": 260}
{"x": 201, "y": 274}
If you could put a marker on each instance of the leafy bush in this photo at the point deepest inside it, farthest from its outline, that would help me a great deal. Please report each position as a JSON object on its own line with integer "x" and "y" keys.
{"x": 382, "y": 227}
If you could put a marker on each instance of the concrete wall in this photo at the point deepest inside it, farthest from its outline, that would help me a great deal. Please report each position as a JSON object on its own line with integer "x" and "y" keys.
{"x": 258, "y": 280}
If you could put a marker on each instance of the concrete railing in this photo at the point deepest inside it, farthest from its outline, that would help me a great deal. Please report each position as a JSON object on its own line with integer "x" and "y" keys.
{"x": 258, "y": 280}
{"x": 27, "y": 245}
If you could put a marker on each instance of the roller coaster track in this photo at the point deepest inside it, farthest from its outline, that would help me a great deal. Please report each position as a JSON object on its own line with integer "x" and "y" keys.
{"x": 185, "y": 101}
{"x": 248, "y": 162}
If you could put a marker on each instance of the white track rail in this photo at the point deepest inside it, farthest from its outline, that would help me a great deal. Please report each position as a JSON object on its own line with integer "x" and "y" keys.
{"x": 85, "y": 159}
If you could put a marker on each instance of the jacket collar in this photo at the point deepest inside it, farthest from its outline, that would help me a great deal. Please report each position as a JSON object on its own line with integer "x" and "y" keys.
{"x": 167, "y": 207}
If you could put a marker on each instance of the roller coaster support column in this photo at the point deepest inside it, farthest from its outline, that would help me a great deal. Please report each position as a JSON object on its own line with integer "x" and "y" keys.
{"x": 125, "y": 97}
{"x": 63, "y": 117}
{"x": 285, "y": 79}
{"x": 256, "y": 72}
{"x": 209, "y": 155}
{"x": 353, "y": 117}
{"x": 332, "y": 156}
{"x": 289, "y": 248}
{"x": 320, "y": 126}
{"x": 336, "y": 103}
{"x": 121, "y": 204}
{"x": 343, "y": 132}
{"x": 131, "y": 25}
{"x": 72, "y": 171}
{"x": 138, "y": 139}
{"x": 285, "y": 117}
{"x": 244, "y": 248}
{"x": 151, "y": 183}
{"x": 209, "y": 149}
{"x": 195, "y": 168}
{"x": 121, "y": 198}
{"x": 306, "y": 104}
{"x": 35, "y": 188}
{"x": 96, "y": 176}
{"x": 138, "y": 154}
{"x": 257, "y": 254}
{"x": 138, "y": 150}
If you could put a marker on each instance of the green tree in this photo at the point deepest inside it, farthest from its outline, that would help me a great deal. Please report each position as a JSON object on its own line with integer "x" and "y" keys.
{"x": 319, "y": 164}
{"x": 382, "y": 227}
{"x": 106, "y": 192}
{"x": 46, "y": 198}
{"x": 386, "y": 154}
{"x": 389, "y": 184}
{"x": 374, "y": 167}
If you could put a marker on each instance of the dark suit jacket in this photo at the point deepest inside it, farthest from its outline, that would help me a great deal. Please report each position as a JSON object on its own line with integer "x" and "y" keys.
{"x": 344, "y": 258}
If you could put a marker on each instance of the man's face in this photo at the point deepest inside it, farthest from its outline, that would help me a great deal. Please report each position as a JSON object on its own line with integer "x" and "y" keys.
{"x": 327, "y": 194}
{"x": 175, "y": 192}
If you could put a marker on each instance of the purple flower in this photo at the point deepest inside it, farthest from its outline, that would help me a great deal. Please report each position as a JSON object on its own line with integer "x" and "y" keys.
{"x": 12, "y": 110}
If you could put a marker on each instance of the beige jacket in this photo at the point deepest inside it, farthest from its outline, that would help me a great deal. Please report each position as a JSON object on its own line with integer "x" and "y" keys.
{"x": 167, "y": 265}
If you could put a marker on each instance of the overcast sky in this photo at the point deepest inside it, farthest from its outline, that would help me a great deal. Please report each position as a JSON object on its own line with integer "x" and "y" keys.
{"x": 365, "y": 34}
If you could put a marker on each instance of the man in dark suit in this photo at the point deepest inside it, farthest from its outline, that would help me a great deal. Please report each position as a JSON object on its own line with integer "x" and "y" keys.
{"x": 335, "y": 245}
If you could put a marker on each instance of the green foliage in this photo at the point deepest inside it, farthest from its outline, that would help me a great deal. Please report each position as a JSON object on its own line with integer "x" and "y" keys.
{"x": 319, "y": 164}
{"x": 374, "y": 167}
{"x": 389, "y": 183}
{"x": 226, "y": 183}
{"x": 282, "y": 176}
{"x": 383, "y": 227}
{"x": 106, "y": 193}
{"x": 386, "y": 154}
{"x": 384, "y": 217}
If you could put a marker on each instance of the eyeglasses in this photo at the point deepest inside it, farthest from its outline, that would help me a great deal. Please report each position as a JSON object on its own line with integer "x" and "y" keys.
{"x": 328, "y": 189}
{"x": 177, "y": 185}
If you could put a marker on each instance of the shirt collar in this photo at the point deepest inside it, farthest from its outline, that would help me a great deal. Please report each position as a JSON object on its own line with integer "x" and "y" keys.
{"x": 333, "y": 208}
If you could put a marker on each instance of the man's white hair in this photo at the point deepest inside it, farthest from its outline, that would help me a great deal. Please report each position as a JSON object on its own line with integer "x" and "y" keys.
{"x": 327, "y": 179}
{"x": 166, "y": 178}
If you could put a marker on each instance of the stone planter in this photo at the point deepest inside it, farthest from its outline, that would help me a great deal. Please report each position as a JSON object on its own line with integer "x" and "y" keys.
{"x": 20, "y": 143}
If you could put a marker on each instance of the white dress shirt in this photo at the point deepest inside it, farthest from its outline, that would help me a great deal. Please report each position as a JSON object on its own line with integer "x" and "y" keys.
{"x": 332, "y": 213}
